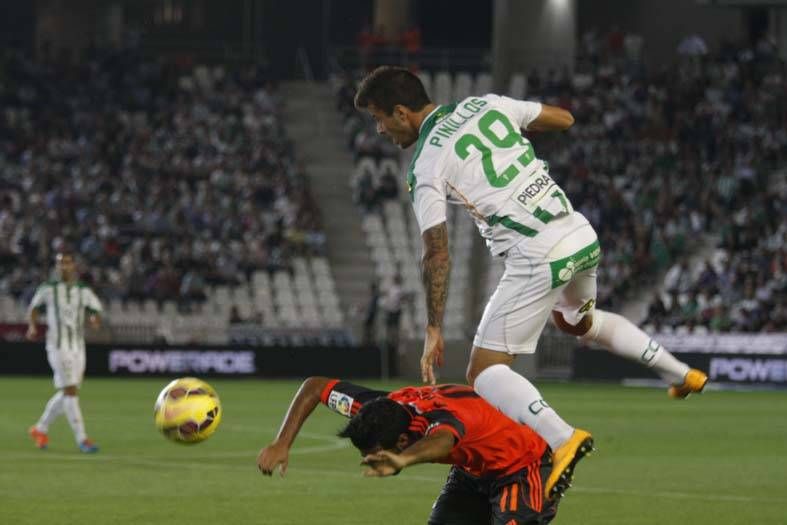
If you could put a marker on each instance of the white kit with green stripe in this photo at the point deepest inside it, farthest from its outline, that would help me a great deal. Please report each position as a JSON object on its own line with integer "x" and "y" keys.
{"x": 66, "y": 305}
{"x": 472, "y": 153}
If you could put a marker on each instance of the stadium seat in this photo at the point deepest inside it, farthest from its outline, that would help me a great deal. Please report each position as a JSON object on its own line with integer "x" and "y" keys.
{"x": 170, "y": 308}
{"x": 150, "y": 308}
{"x": 300, "y": 267}
{"x": 222, "y": 294}
{"x": 320, "y": 266}
{"x": 390, "y": 166}
{"x": 372, "y": 223}
{"x": 443, "y": 87}
{"x": 426, "y": 80}
{"x": 517, "y": 86}
{"x": 115, "y": 309}
{"x": 8, "y": 308}
{"x": 463, "y": 86}
{"x": 483, "y": 84}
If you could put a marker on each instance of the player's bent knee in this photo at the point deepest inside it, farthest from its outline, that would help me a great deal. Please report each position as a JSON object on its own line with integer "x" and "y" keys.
{"x": 578, "y": 330}
{"x": 471, "y": 374}
{"x": 483, "y": 358}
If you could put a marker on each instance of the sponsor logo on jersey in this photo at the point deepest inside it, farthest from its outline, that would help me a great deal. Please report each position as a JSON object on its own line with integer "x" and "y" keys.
{"x": 563, "y": 270}
{"x": 341, "y": 403}
{"x": 534, "y": 190}
{"x": 567, "y": 272}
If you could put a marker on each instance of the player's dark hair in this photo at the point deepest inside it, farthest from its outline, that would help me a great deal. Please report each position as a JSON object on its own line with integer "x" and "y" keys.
{"x": 379, "y": 422}
{"x": 387, "y": 86}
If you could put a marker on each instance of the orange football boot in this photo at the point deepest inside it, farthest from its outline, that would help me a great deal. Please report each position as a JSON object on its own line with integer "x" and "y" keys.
{"x": 564, "y": 460}
{"x": 694, "y": 381}
{"x": 41, "y": 439}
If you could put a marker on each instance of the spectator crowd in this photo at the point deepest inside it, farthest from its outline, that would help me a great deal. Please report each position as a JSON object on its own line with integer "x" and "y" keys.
{"x": 658, "y": 158}
{"x": 164, "y": 181}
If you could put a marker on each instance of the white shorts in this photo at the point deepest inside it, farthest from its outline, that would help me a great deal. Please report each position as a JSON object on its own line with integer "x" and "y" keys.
{"x": 533, "y": 286}
{"x": 69, "y": 367}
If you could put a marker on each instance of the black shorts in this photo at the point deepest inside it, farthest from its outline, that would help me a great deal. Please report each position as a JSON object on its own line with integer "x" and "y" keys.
{"x": 517, "y": 499}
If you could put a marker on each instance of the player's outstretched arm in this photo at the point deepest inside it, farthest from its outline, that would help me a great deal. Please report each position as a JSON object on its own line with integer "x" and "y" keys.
{"x": 32, "y": 322}
{"x": 38, "y": 301}
{"x": 426, "y": 450}
{"x": 435, "y": 268}
{"x": 276, "y": 454}
{"x": 551, "y": 118}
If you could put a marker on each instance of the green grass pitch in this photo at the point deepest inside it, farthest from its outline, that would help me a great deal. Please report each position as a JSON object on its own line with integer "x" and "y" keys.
{"x": 718, "y": 458}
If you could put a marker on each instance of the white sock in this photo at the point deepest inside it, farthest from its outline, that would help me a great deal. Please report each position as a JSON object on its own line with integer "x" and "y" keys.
{"x": 517, "y": 398}
{"x": 622, "y": 337}
{"x": 74, "y": 416}
{"x": 54, "y": 407}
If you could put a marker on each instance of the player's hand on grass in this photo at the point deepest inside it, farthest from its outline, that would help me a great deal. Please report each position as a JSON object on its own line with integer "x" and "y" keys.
{"x": 32, "y": 333}
{"x": 383, "y": 463}
{"x": 433, "y": 353}
{"x": 272, "y": 456}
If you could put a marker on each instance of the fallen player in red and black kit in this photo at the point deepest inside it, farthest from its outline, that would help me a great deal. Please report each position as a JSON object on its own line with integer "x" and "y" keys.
{"x": 498, "y": 464}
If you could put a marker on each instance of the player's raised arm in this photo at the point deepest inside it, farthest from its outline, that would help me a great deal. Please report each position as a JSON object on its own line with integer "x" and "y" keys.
{"x": 277, "y": 453}
{"x": 535, "y": 116}
{"x": 435, "y": 267}
{"x": 32, "y": 325}
{"x": 551, "y": 118}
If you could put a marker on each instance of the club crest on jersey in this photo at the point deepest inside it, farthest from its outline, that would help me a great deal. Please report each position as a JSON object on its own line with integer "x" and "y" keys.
{"x": 341, "y": 403}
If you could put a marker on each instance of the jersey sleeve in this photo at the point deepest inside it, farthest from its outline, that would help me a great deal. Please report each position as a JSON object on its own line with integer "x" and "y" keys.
{"x": 92, "y": 302}
{"x": 522, "y": 111}
{"x": 444, "y": 420}
{"x": 40, "y": 298}
{"x": 428, "y": 193}
{"x": 347, "y": 398}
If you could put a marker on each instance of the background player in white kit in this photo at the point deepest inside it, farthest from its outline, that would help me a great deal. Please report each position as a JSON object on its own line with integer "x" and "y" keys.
{"x": 66, "y": 301}
{"x": 473, "y": 154}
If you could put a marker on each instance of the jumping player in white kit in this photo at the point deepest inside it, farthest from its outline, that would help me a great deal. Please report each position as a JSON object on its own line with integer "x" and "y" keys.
{"x": 472, "y": 153}
{"x": 66, "y": 301}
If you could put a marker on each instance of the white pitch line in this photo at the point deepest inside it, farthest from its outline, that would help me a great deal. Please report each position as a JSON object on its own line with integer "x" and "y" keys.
{"x": 346, "y": 474}
{"x": 678, "y": 495}
{"x": 221, "y": 455}
{"x": 596, "y": 490}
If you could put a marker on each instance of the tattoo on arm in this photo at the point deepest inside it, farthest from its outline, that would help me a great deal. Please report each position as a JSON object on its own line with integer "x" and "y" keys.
{"x": 435, "y": 267}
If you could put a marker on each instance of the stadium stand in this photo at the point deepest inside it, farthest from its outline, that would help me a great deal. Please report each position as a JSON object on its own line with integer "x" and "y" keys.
{"x": 675, "y": 182}
{"x": 742, "y": 286}
{"x": 178, "y": 189}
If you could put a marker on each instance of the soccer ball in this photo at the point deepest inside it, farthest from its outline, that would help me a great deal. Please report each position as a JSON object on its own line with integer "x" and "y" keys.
{"x": 187, "y": 411}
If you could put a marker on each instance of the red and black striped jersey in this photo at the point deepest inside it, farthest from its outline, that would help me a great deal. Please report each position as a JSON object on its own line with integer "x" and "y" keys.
{"x": 487, "y": 442}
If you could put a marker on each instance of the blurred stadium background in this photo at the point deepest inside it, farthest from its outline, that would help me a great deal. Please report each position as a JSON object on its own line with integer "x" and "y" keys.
{"x": 238, "y": 218}
{"x": 206, "y": 164}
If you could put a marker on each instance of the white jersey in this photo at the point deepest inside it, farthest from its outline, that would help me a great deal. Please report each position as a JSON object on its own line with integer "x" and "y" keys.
{"x": 473, "y": 153}
{"x": 65, "y": 313}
